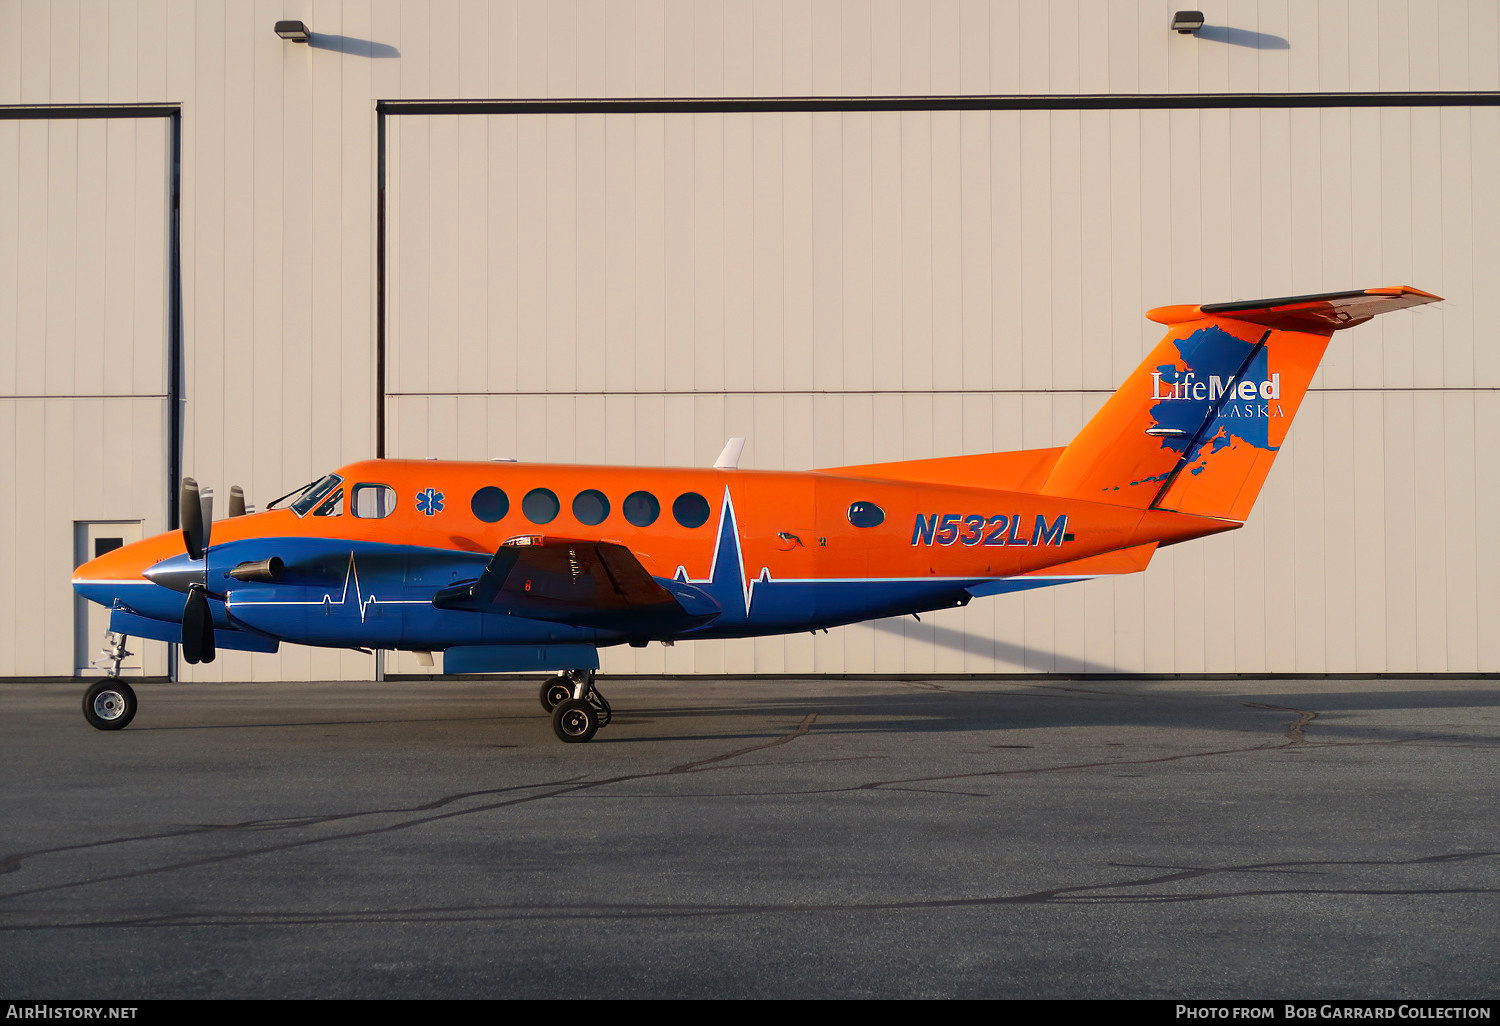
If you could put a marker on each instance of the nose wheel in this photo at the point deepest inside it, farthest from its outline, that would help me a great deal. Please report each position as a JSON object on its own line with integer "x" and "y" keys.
{"x": 578, "y": 708}
{"x": 109, "y": 705}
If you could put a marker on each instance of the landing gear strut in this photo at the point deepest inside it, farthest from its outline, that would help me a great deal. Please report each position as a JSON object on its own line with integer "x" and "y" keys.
{"x": 579, "y": 710}
{"x": 113, "y": 653}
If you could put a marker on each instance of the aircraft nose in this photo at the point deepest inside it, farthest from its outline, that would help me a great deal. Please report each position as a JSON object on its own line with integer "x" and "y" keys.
{"x": 121, "y": 577}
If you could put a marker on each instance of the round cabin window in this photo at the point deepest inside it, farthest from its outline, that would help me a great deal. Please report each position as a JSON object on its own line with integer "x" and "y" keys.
{"x": 690, "y": 509}
{"x": 490, "y": 504}
{"x": 540, "y": 506}
{"x": 641, "y": 509}
{"x": 590, "y": 507}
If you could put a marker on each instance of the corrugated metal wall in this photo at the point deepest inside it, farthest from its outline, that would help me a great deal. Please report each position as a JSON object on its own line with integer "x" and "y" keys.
{"x": 278, "y": 251}
{"x": 83, "y": 363}
{"x": 844, "y": 288}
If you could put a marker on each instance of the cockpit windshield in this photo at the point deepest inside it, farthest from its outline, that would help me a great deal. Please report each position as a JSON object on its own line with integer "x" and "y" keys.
{"x": 314, "y": 493}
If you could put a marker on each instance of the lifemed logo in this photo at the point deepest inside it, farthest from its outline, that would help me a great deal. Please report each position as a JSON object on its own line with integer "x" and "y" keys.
{"x": 1193, "y": 387}
{"x": 1257, "y": 397}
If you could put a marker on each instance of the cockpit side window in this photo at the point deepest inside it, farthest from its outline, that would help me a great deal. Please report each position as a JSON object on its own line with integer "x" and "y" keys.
{"x": 333, "y": 506}
{"x": 316, "y": 493}
{"x": 373, "y": 501}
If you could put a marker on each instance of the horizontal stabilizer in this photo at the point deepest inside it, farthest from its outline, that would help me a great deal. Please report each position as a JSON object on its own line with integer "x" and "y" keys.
{"x": 1195, "y": 428}
{"x": 1320, "y": 314}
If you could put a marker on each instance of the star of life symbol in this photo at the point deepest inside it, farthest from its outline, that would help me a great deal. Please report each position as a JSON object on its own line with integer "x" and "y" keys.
{"x": 430, "y": 502}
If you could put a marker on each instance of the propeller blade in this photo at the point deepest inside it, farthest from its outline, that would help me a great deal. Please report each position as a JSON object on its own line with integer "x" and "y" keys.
{"x": 206, "y": 496}
{"x": 206, "y": 643}
{"x": 197, "y": 627}
{"x": 236, "y": 501}
{"x": 190, "y": 509}
{"x": 194, "y": 615}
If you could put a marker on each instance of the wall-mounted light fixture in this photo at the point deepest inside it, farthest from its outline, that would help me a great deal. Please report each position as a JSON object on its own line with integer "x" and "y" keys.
{"x": 1187, "y": 22}
{"x": 296, "y": 31}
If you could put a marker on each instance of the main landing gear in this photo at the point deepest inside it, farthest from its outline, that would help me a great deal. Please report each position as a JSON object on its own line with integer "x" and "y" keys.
{"x": 578, "y": 709}
{"x": 110, "y": 704}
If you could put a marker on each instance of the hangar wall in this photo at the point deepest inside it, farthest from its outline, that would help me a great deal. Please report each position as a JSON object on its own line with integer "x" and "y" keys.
{"x": 851, "y": 287}
{"x": 279, "y": 204}
{"x": 83, "y": 367}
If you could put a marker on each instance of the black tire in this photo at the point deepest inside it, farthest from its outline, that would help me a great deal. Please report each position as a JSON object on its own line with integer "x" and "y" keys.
{"x": 575, "y": 721}
{"x": 555, "y": 692}
{"x": 109, "y": 705}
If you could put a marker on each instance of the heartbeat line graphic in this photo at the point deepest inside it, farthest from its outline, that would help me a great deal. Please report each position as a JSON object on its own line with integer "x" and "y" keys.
{"x": 728, "y": 581}
{"x": 364, "y": 603}
{"x": 729, "y": 577}
{"x": 328, "y": 602}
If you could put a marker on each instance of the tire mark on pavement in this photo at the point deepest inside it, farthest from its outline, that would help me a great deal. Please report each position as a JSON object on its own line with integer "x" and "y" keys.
{"x": 551, "y": 791}
{"x": 1295, "y": 728}
{"x": 1083, "y": 894}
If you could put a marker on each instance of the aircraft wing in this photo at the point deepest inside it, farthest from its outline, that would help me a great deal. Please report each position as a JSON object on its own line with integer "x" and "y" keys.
{"x": 583, "y": 584}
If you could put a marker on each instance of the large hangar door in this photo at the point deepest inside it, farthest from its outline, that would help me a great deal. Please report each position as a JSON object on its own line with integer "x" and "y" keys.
{"x": 83, "y": 365}
{"x": 849, "y": 287}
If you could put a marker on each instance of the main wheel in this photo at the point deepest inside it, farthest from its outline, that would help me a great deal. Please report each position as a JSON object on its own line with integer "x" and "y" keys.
{"x": 109, "y": 705}
{"x": 555, "y": 692}
{"x": 575, "y": 721}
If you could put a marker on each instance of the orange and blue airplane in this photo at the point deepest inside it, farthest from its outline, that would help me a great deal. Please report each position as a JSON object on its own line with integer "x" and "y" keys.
{"x": 516, "y": 567}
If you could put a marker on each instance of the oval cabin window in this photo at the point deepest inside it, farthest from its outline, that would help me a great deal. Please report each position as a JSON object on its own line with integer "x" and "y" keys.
{"x": 866, "y": 514}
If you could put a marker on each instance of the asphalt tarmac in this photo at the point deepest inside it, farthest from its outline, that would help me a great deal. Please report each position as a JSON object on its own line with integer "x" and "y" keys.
{"x": 817, "y": 838}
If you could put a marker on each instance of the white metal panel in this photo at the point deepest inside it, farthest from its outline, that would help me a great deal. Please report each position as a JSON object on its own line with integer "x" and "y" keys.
{"x": 966, "y": 266}
{"x": 83, "y": 222}
{"x": 721, "y": 262}
{"x": 150, "y": 49}
{"x": 69, "y": 459}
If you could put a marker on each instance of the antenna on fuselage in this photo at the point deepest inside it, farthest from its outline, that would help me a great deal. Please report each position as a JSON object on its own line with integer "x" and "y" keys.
{"x": 729, "y": 459}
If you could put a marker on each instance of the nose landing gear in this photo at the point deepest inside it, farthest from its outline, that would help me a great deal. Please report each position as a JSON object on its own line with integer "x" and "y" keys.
{"x": 110, "y": 704}
{"x": 578, "y": 708}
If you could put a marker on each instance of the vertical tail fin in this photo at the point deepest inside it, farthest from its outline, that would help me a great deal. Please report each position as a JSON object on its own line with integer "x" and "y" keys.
{"x": 1196, "y": 427}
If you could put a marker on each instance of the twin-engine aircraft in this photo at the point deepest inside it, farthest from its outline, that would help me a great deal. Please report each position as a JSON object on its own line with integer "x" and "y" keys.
{"x": 507, "y": 567}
